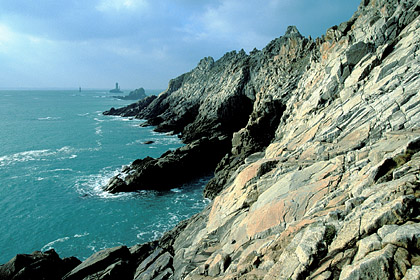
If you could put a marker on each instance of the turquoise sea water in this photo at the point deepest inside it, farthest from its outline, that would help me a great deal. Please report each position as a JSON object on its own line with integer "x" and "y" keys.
{"x": 56, "y": 151}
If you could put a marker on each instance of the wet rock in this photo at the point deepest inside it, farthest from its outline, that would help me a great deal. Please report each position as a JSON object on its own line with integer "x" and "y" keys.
{"x": 190, "y": 162}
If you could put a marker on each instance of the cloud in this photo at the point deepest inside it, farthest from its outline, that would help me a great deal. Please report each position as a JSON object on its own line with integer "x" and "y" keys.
{"x": 143, "y": 42}
{"x": 6, "y": 36}
{"x": 114, "y": 6}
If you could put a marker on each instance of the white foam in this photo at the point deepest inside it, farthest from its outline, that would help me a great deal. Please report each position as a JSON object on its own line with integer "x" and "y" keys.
{"x": 37, "y": 155}
{"x": 92, "y": 185}
{"x": 49, "y": 118}
{"x": 65, "y": 149}
{"x": 81, "y": 235}
{"x": 98, "y": 130}
{"x": 58, "y": 170}
{"x": 24, "y": 156}
{"x": 50, "y": 245}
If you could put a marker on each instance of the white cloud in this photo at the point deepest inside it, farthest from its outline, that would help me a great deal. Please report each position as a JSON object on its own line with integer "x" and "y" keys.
{"x": 6, "y": 37}
{"x": 121, "y": 5}
{"x": 61, "y": 42}
{"x": 233, "y": 23}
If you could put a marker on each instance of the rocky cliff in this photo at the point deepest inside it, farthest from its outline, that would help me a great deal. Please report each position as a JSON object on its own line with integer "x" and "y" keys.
{"x": 317, "y": 163}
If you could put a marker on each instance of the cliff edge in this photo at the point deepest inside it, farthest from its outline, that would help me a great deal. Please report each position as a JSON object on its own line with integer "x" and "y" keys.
{"x": 317, "y": 166}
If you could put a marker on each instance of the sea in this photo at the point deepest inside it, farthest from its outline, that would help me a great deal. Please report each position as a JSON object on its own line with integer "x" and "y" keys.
{"x": 57, "y": 151}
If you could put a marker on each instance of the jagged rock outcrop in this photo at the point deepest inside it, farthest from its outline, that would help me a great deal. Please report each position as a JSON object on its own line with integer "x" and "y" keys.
{"x": 335, "y": 194}
{"x": 322, "y": 178}
{"x": 233, "y": 96}
{"x": 195, "y": 160}
{"x": 137, "y": 94}
{"x": 132, "y": 109}
{"x": 205, "y": 106}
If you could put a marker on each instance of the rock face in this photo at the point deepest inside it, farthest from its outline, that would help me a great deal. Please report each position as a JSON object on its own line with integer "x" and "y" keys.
{"x": 37, "y": 265}
{"x": 195, "y": 160}
{"x": 205, "y": 121}
{"x": 133, "y": 95}
{"x": 319, "y": 176}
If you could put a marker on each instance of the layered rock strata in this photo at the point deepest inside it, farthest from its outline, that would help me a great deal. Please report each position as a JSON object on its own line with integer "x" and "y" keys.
{"x": 322, "y": 178}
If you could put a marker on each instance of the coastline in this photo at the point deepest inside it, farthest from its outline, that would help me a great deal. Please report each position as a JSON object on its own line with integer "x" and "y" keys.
{"x": 319, "y": 177}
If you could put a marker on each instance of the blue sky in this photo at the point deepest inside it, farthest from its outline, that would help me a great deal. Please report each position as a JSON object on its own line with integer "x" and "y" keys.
{"x": 141, "y": 43}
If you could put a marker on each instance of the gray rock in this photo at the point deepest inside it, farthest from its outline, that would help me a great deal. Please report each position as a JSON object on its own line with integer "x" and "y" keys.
{"x": 160, "y": 267}
{"x": 376, "y": 265}
{"x": 100, "y": 261}
{"x": 357, "y": 51}
{"x": 405, "y": 236}
{"x": 314, "y": 146}
{"x": 413, "y": 273}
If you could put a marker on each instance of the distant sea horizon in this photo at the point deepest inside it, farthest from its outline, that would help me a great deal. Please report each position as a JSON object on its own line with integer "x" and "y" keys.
{"x": 57, "y": 152}
{"x": 125, "y": 90}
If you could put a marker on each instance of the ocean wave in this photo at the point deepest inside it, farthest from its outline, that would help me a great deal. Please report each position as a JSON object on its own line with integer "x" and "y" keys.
{"x": 92, "y": 185}
{"x": 24, "y": 156}
{"x": 50, "y": 245}
{"x": 49, "y": 118}
{"x": 81, "y": 235}
{"x": 57, "y": 170}
{"x": 98, "y": 130}
{"x": 38, "y": 155}
{"x": 125, "y": 119}
{"x": 158, "y": 141}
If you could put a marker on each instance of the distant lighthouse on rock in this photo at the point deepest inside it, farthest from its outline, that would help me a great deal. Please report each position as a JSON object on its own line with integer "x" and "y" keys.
{"x": 116, "y": 89}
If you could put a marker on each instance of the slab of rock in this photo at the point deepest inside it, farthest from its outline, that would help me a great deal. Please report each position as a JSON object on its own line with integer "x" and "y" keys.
{"x": 376, "y": 265}
{"x": 107, "y": 260}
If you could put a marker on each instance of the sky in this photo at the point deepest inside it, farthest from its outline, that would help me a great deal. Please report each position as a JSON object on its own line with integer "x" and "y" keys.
{"x": 142, "y": 43}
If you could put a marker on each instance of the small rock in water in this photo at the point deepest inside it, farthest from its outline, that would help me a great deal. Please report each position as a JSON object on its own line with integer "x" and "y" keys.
{"x": 148, "y": 142}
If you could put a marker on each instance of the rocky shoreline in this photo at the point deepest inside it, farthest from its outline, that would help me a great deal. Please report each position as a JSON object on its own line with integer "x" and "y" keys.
{"x": 315, "y": 148}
